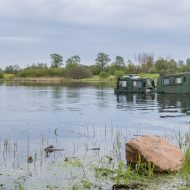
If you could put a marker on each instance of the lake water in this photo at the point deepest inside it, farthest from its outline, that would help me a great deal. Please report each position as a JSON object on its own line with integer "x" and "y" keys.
{"x": 79, "y": 117}
{"x": 38, "y": 109}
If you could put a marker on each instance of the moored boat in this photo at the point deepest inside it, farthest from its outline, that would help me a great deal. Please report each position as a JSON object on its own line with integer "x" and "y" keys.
{"x": 134, "y": 84}
{"x": 175, "y": 83}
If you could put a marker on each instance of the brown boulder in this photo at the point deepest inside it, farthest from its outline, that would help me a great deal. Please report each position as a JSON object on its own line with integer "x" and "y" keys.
{"x": 163, "y": 155}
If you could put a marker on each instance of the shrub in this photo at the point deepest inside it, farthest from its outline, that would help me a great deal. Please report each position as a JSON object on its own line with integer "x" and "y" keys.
{"x": 1, "y": 75}
{"x": 119, "y": 73}
{"x": 52, "y": 72}
{"x": 103, "y": 74}
{"x": 79, "y": 72}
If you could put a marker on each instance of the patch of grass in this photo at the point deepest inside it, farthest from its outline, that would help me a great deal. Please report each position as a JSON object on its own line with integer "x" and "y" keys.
{"x": 87, "y": 184}
{"x": 144, "y": 168}
{"x": 102, "y": 171}
{"x": 75, "y": 187}
{"x": 186, "y": 165}
{"x": 147, "y": 75}
{"x": 71, "y": 163}
{"x": 96, "y": 78}
{"x": 9, "y": 76}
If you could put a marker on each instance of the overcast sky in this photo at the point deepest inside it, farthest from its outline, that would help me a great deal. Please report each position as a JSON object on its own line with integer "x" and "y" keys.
{"x": 30, "y": 30}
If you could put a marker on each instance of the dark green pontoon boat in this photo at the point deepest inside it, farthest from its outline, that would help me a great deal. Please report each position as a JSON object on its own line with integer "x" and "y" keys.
{"x": 175, "y": 84}
{"x": 134, "y": 84}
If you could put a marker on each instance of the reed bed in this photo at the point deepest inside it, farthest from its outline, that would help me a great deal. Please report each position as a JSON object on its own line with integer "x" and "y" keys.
{"x": 94, "y": 159}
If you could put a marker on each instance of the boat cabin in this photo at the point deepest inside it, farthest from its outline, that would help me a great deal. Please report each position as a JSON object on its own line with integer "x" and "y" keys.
{"x": 134, "y": 84}
{"x": 175, "y": 84}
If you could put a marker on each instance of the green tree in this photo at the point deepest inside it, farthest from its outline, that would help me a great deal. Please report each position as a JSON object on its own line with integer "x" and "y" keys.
{"x": 79, "y": 72}
{"x": 38, "y": 66}
{"x": 72, "y": 62}
{"x": 119, "y": 73}
{"x": 56, "y": 60}
{"x": 161, "y": 65}
{"x": 166, "y": 66}
{"x": 119, "y": 62}
{"x": 94, "y": 69}
{"x": 132, "y": 68}
{"x": 188, "y": 61}
{"x": 12, "y": 69}
{"x": 185, "y": 67}
{"x": 102, "y": 60}
{"x": 172, "y": 66}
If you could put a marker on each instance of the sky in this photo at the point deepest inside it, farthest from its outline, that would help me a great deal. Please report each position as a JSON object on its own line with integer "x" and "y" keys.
{"x": 30, "y": 30}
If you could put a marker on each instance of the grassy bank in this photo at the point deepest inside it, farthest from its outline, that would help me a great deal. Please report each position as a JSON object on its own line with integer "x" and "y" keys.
{"x": 58, "y": 80}
{"x": 94, "y": 78}
{"x": 152, "y": 76}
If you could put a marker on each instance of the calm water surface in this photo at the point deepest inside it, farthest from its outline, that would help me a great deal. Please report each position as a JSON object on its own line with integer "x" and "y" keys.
{"x": 79, "y": 117}
{"x": 38, "y": 109}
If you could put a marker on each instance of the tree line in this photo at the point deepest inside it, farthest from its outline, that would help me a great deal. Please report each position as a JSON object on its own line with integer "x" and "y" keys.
{"x": 103, "y": 66}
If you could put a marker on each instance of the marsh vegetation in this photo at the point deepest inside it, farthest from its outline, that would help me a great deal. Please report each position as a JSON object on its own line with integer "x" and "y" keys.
{"x": 87, "y": 127}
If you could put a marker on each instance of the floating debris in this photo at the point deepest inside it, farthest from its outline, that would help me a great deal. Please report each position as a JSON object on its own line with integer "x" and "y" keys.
{"x": 51, "y": 149}
{"x": 128, "y": 187}
{"x": 30, "y": 159}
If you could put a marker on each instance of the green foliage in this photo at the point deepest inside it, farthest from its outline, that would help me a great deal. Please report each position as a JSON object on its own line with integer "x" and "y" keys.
{"x": 74, "y": 60}
{"x": 144, "y": 64}
{"x": 38, "y": 66}
{"x": 75, "y": 187}
{"x": 151, "y": 76}
{"x": 152, "y": 69}
{"x": 78, "y": 72}
{"x": 56, "y": 60}
{"x": 87, "y": 184}
{"x": 119, "y": 172}
{"x": 118, "y": 64}
{"x": 102, "y": 60}
{"x": 132, "y": 68}
{"x": 186, "y": 164}
{"x": 102, "y": 171}
{"x": 12, "y": 69}
{"x": 75, "y": 70}
{"x": 1, "y": 75}
{"x": 119, "y": 73}
{"x": 124, "y": 173}
{"x": 165, "y": 66}
{"x": 103, "y": 74}
{"x": 144, "y": 168}
{"x": 51, "y": 72}
{"x": 94, "y": 69}
{"x": 21, "y": 186}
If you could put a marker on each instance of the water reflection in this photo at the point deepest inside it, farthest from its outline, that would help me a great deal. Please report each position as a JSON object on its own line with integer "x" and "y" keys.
{"x": 169, "y": 105}
{"x": 81, "y": 116}
{"x": 174, "y": 104}
{"x": 136, "y": 102}
{"x": 42, "y": 107}
{"x": 71, "y": 85}
{"x": 135, "y": 98}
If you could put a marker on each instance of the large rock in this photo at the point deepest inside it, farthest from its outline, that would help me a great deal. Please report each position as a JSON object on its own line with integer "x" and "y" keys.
{"x": 163, "y": 155}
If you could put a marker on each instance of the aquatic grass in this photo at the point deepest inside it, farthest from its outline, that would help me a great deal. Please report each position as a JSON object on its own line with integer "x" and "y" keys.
{"x": 142, "y": 168}
{"x": 75, "y": 187}
{"x": 93, "y": 170}
{"x": 186, "y": 163}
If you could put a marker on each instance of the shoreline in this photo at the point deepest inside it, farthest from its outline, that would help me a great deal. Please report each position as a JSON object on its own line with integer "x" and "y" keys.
{"x": 58, "y": 80}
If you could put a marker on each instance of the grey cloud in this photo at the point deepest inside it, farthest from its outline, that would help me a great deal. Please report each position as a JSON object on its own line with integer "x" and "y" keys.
{"x": 36, "y": 28}
{"x": 143, "y": 13}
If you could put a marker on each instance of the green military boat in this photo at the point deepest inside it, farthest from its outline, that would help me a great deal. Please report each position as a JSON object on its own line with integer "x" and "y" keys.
{"x": 175, "y": 84}
{"x": 134, "y": 84}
